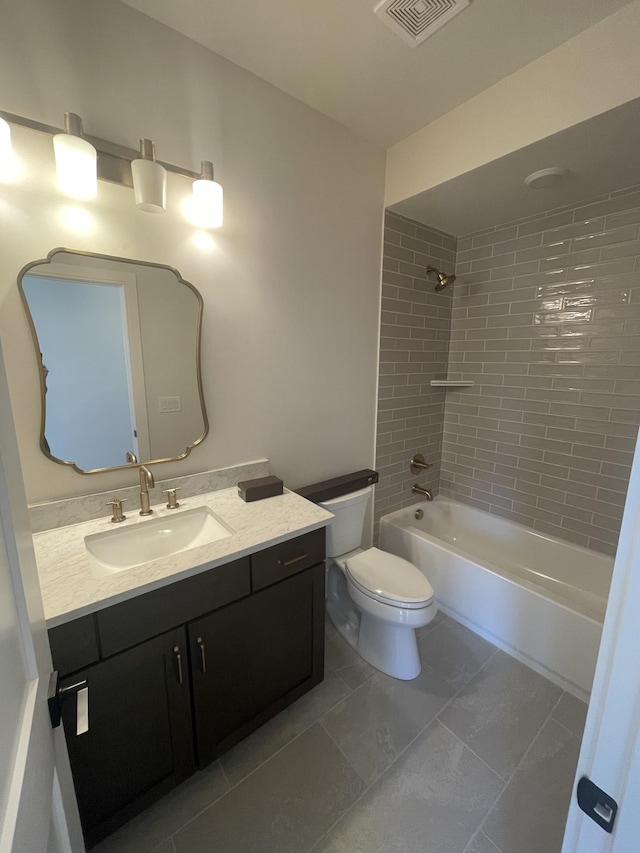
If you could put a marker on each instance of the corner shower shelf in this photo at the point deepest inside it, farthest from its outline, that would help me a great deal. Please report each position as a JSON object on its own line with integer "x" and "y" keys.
{"x": 451, "y": 383}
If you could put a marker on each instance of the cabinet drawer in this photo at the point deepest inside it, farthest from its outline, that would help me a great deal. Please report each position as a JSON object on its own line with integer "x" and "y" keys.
{"x": 280, "y": 561}
{"x": 74, "y": 645}
{"x": 123, "y": 625}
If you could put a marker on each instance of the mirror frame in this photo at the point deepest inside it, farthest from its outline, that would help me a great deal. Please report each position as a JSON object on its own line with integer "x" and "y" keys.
{"x": 43, "y": 408}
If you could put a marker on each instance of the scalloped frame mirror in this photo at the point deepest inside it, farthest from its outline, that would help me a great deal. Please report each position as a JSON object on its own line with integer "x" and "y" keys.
{"x": 117, "y": 343}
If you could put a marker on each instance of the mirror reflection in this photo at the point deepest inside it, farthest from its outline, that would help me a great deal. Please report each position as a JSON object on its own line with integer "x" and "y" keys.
{"x": 118, "y": 344}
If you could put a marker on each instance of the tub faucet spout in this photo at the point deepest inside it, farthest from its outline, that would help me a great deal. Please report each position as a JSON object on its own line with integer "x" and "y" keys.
{"x": 420, "y": 490}
{"x": 146, "y": 482}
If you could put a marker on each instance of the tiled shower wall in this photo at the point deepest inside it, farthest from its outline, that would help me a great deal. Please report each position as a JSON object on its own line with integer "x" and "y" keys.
{"x": 546, "y": 322}
{"x": 413, "y": 350}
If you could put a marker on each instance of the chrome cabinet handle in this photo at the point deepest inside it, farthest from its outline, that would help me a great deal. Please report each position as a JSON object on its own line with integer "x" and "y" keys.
{"x": 81, "y": 689}
{"x": 176, "y": 651}
{"x": 200, "y": 642}
{"x": 292, "y": 560}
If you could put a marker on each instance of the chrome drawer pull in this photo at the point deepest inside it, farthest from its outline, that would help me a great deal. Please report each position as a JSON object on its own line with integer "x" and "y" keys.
{"x": 176, "y": 651}
{"x": 292, "y": 560}
{"x": 81, "y": 689}
{"x": 200, "y": 642}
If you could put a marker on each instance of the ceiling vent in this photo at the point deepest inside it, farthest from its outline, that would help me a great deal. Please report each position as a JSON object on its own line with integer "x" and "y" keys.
{"x": 415, "y": 20}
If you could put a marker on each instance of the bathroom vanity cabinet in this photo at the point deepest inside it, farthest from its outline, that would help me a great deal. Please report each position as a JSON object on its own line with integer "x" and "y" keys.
{"x": 178, "y": 675}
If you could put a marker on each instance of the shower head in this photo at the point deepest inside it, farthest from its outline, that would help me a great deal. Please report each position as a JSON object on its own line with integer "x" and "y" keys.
{"x": 443, "y": 280}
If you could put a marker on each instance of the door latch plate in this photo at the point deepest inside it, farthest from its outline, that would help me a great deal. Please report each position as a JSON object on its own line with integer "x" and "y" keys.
{"x": 597, "y": 804}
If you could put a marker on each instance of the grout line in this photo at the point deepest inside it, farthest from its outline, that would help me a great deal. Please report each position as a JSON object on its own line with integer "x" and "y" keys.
{"x": 367, "y": 788}
{"x": 403, "y": 751}
{"x": 225, "y": 777}
{"x": 466, "y": 745}
{"x": 565, "y": 727}
{"x": 519, "y": 764}
{"x": 406, "y": 748}
{"x": 473, "y": 838}
{"x": 295, "y": 737}
{"x": 262, "y": 763}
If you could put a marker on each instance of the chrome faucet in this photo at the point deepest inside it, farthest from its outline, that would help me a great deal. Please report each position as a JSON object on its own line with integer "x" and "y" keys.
{"x": 419, "y": 490}
{"x": 146, "y": 482}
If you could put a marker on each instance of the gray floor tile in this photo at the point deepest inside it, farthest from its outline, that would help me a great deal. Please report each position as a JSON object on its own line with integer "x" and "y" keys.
{"x": 378, "y": 720}
{"x": 500, "y": 711}
{"x": 325, "y": 846}
{"x": 338, "y": 653}
{"x": 481, "y": 844}
{"x": 286, "y": 806}
{"x": 166, "y": 847}
{"x": 454, "y": 652}
{"x": 357, "y": 673}
{"x": 278, "y": 732}
{"x": 430, "y": 801}
{"x": 572, "y": 713}
{"x": 531, "y": 813}
{"x": 145, "y": 832}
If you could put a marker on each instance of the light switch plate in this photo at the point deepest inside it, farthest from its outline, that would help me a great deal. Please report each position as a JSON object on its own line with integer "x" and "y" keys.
{"x": 169, "y": 404}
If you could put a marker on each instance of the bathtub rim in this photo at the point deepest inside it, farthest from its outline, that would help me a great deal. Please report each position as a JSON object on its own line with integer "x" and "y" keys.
{"x": 595, "y": 614}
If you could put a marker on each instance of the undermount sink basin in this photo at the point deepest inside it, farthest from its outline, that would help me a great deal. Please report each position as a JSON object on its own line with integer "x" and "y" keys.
{"x": 117, "y": 550}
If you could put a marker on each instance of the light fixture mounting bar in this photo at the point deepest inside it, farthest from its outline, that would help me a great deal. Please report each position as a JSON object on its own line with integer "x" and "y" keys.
{"x": 114, "y": 160}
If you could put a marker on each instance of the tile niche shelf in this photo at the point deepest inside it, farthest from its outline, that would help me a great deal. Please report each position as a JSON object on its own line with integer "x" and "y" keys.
{"x": 451, "y": 383}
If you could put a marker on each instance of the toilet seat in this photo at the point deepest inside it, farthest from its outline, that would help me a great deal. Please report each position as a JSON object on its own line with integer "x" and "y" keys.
{"x": 389, "y": 579}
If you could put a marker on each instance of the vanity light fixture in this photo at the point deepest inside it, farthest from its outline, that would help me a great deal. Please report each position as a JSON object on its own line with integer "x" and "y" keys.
{"x": 149, "y": 180}
{"x": 207, "y": 203}
{"x": 76, "y": 160}
{"x": 78, "y": 154}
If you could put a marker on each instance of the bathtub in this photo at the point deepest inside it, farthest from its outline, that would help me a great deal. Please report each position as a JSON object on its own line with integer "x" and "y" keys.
{"x": 539, "y": 598}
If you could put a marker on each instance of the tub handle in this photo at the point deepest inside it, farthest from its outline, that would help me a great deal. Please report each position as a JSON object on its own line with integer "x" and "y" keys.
{"x": 418, "y": 464}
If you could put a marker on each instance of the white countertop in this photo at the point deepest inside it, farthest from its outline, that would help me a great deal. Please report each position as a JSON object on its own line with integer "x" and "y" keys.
{"x": 70, "y": 589}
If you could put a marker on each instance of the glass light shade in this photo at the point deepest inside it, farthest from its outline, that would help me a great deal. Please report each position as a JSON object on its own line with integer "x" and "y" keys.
{"x": 5, "y": 141}
{"x": 76, "y": 166}
{"x": 207, "y": 205}
{"x": 149, "y": 186}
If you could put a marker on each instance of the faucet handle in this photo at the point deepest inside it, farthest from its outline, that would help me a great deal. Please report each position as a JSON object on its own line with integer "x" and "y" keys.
{"x": 116, "y": 508}
{"x": 172, "y": 502}
{"x": 418, "y": 464}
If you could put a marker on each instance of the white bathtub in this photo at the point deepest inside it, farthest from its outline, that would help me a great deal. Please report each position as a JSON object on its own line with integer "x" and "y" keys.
{"x": 537, "y": 597}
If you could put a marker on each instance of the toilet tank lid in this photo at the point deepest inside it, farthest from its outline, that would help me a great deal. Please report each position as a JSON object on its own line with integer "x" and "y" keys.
{"x": 389, "y": 576}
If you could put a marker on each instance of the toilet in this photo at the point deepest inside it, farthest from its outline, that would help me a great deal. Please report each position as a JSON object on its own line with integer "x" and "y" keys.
{"x": 374, "y": 599}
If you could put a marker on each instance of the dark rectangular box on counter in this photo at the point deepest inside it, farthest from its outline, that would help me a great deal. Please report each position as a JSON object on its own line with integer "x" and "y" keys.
{"x": 263, "y": 487}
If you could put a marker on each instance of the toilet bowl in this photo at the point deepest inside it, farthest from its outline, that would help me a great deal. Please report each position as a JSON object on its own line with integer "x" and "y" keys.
{"x": 375, "y": 600}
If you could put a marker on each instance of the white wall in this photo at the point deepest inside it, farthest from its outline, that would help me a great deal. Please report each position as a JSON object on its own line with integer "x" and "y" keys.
{"x": 584, "y": 77}
{"x": 290, "y": 284}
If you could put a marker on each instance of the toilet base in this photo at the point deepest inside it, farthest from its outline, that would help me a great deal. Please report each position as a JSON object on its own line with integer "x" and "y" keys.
{"x": 393, "y": 649}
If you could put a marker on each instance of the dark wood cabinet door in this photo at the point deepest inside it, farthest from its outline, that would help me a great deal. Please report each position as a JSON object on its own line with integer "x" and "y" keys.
{"x": 251, "y": 659}
{"x": 139, "y": 743}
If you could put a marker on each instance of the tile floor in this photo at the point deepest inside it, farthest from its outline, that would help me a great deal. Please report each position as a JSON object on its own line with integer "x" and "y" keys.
{"x": 477, "y": 755}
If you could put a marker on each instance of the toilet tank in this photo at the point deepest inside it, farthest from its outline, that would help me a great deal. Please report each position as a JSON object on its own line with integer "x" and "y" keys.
{"x": 344, "y": 533}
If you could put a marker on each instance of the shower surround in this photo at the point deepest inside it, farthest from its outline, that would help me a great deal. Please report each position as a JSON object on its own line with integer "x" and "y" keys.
{"x": 545, "y": 320}
{"x": 414, "y": 343}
